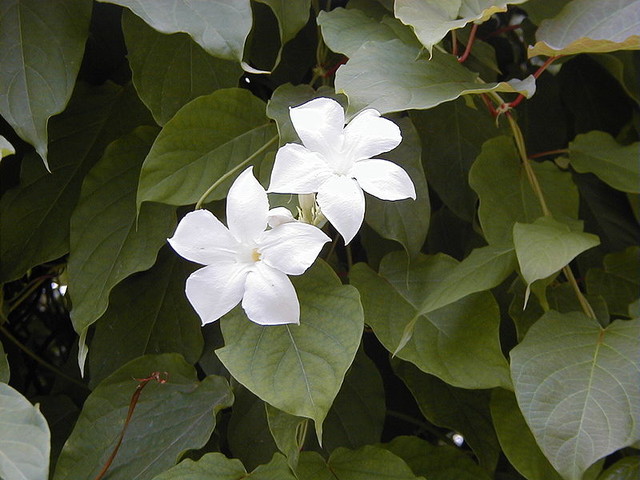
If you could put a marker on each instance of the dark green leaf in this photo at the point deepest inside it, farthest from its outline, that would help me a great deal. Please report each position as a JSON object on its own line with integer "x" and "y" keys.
{"x": 298, "y": 368}
{"x": 34, "y": 217}
{"x": 171, "y": 70}
{"x": 452, "y": 135}
{"x": 440, "y": 462}
{"x": 357, "y": 415}
{"x": 366, "y": 463}
{"x": 4, "y": 366}
{"x": 292, "y": 16}
{"x": 405, "y": 221}
{"x": 464, "y": 411}
{"x": 107, "y": 241}
{"x": 599, "y": 153}
{"x": 516, "y": 439}
{"x": 42, "y": 45}
{"x": 219, "y": 27}
{"x": 169, "y": 418}
{"x": 627, "y": 468}
{"x": 164, "y": 319}
{"x": 209, "y": 137}
{"x": 24, "y": 438}
{"x": 619, "y": 281}
{"x": 506, "y": 196}
{"x": 459, "y": 342}
{"x": 577, "y": 387}
{"x": 215, "y": 466}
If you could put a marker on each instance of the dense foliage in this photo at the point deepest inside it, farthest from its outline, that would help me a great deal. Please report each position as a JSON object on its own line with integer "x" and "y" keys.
{"x": 482, "y": 323}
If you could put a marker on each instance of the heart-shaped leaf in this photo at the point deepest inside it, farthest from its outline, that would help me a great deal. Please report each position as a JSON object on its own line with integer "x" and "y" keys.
{"x": 108, "y": 242}
{"x": 577, "y": 386}
{"x": 298, "y": 368}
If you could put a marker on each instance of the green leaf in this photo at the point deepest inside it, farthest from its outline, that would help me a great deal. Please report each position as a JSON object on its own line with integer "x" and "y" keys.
{"x": 516, "y": 440}
{"x": 589, "y": 26}
{"x": 366, "y": 463}
{"x": 405, "y": 221}
{"x": 169, "y": 418}
{"x": 459, "y": 342}
{"x": 619, "y": 281}
{"x": 463, "y": 411}
{"x": 357, "y": 415}
{"x": 248, "y": 432}
{"x": 621, "y": 65}
{"x": 546, "y": 246}
{"x": 218, "y": 26}
{"x": 6, "y": 148}
{"x": 171, "y": 70}
{"x": 627, "y": 468}
{"x": 538, "y": 10}
{"x": 215, "y": 466}
{"x": 108, "y": 242}
{"x": 577, "y": 387}
{"x": 440, "y": 462}
{"x": 346, "y": 30}
{"x": 506, "y": 196}
{"x": 42, "y": 45}
{"x": 397, "y": 80}
{"x": 298, "y": 368}
{"x": 431, "y": 20}
{"x": 24, "y": 438}
{"x": 34, "y": 217}
{"x": 292, "y": 16}
{"x": 483, "y": 269}
{"x": 4, "y": 366}
{"x": 209, "y": 137}
{"x": 165, "y": 322}
{"x": 286, "y": 96}
{"x": 452, "y": 135}
{"x": 599, "y": 153}
{"x": 285, "y": 430}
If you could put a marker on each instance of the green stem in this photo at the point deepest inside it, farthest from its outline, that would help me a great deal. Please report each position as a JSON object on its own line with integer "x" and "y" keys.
{"x": 535, "y": 185}
{"x": 38, "y": 359}
{"x": 231, "y": 172}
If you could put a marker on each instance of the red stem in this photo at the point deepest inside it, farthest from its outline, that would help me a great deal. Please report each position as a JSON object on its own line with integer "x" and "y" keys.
{"x": 502, "y": 30}
{"x": 333, "y": 69}
{"x": 132, "y": 405}
{"x": 536, "y": 74}
{"x": 472, "y": 37}
{"x": 550, "y": 152}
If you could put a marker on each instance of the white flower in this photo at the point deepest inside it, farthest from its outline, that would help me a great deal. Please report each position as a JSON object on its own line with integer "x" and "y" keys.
{"x": 247, "y": 261}
{"x": 336, "y": 162}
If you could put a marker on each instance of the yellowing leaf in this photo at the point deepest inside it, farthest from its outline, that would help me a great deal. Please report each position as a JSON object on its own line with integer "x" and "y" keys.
{"x": 590, "y": 26}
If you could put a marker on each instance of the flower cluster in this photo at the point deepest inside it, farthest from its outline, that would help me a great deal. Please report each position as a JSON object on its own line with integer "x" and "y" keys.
{"x": 249, "y": 261}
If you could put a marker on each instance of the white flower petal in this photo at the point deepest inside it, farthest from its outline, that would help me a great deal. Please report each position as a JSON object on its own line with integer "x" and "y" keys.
{"x": 298, "y": 170}
{"x": 319, "y": 124}
{"x": 270, "y": 298}
{"x": 202, "y": 238}
{"x": 247, "y": 207}
{"x": 216, "y": 289}
{"x": 278, "y": 216}
{"x": 341, "y": 200}
{"x": 368, "y": 134}
{"x": 292, "y": 247}
{"x": 383, "y": 179}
